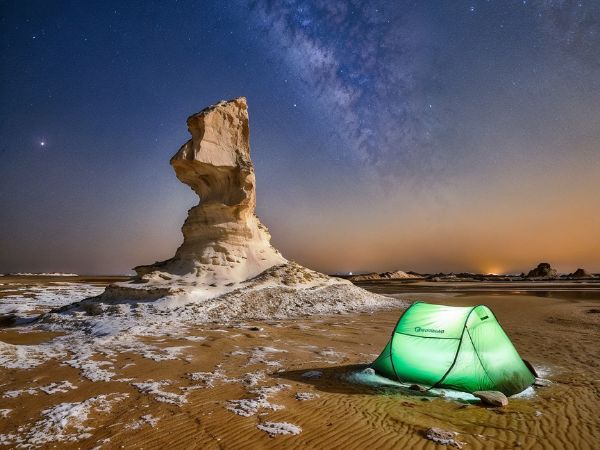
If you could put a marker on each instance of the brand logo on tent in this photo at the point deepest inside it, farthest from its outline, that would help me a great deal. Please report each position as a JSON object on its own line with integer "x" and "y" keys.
{"x": 428, "y": 330}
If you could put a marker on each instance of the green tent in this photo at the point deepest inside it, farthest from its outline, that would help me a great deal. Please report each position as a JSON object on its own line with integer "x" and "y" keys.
{"x": 461, "y": 348}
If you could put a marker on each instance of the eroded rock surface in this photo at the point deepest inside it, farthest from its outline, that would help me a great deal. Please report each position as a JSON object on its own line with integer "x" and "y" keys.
{"x": 223, "y": 240}
{"x": 543, "y": 271}
{"x": 492, "y": 398}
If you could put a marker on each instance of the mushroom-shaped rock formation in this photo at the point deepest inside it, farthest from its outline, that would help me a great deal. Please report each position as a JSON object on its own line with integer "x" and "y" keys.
{"x": 223, "y": 240}
{"x": 226, "y": 252}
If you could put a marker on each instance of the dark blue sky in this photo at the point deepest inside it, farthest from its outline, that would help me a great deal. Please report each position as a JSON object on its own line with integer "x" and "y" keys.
{"x": 430, "y": 135}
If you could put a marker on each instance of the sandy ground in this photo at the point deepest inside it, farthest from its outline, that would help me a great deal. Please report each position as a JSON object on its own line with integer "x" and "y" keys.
{"x": 239, "y": 386}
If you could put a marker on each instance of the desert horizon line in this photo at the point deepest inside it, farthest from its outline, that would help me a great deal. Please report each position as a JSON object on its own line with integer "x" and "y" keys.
{"x": 333, "y": 273}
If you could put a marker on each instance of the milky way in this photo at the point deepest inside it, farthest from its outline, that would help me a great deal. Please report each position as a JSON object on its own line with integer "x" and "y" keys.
{"x": 364, "y": 65}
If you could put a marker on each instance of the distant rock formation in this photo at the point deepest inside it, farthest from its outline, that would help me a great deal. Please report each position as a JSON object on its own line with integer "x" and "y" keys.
{"x": 543, "y": 271}
{"x": 580, "y": 274}
{"x": 226, "y": 252}
{"x": 397, "y": 275}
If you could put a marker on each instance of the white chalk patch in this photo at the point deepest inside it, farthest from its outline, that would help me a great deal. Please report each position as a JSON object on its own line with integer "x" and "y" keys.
{"x": 28, "y": 356}
{"x": 153, "y": 388}
{"x": 261, "y": 355}
{"x": 279, "y": 428}
{"x": 60, "y": 387}
{"x": 330, "y": 353}
{"x": 208, "y": 379}
{"x": 100, "y": 443}
{"x": 527, "y": 393}
{"x": 195, "y": 338}
{"x": 91, "y": 369}
{"x": 250, "y": 406}
{"x": 19, "y": 392}
{"x": 36, "y": 300}
{"x": 163, "y": 354}
{"x": 148, "y": 419}
{"x": 303, "y": 396}
{"x": 64, "y": 422}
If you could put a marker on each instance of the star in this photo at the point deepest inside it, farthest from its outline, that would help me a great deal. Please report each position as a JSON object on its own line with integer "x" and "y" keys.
{"x": 42, "y": 143}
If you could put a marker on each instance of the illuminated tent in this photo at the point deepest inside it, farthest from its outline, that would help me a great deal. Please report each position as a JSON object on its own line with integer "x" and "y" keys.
{"x": 461, "y": 348}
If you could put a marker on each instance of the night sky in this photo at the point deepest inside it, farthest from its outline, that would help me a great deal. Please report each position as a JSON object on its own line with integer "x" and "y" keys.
{"x": 423, "y": 135}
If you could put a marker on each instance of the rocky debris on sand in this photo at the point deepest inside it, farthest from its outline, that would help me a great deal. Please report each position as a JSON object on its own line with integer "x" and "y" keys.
{"x": 417, "y": 387}
{"x": 442, "y": 437}
{"x": 247, "y": 407}
{"x": 275, "y": 428}
{"x": 541, "y": 382}
{"x": 303, "y": 396}
{"x": 492, "y": 398}
{"x": 396, "y": 275}
{"x": 543, "y": 271}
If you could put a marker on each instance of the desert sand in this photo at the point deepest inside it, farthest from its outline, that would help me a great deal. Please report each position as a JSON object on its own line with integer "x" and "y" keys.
{"x": 297, "y": 383}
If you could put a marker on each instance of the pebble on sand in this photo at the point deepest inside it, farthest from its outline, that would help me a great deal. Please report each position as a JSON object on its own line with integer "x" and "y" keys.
{"x": 492, "y": 398}
{"x": 443, "y": 437}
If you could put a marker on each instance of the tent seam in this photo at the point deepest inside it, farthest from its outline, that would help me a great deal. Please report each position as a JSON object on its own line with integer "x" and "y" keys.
{"x": 457, "y": 350}
{"x": 504, "y": 331}
{"x": 478, "y": 357}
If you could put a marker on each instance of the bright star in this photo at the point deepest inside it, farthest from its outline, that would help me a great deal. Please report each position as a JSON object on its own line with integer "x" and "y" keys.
{"x": 42, "y": 143}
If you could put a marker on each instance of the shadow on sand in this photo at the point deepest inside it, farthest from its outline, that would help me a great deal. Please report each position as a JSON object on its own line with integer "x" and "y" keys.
{"x": 351, "y": 379}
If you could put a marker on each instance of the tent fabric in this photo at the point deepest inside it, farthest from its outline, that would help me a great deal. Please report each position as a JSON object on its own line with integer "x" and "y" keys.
{"x": 461, "y": 348}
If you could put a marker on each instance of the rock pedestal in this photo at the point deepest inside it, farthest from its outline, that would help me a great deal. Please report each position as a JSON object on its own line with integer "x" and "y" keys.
{"x": 223, "y": 240}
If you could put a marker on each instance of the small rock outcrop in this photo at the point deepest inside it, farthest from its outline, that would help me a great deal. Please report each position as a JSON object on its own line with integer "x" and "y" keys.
{"x": 580, "y": 274}
{"x": 492, "y": 398}
{"x": 543, "y": 271}
{"x": 396, "y": 275}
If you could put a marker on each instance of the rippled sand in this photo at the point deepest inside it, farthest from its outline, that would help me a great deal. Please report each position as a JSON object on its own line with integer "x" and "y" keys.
{"x": 227, "y": 385}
